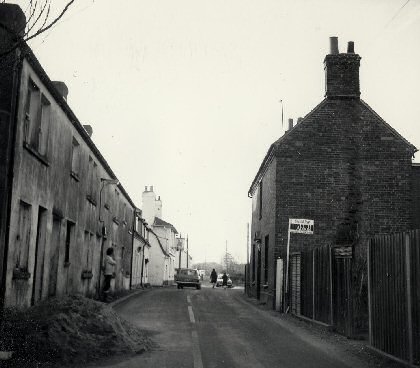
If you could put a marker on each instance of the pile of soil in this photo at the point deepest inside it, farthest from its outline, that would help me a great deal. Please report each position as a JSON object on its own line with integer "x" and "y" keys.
{"x": 69, "y": 330}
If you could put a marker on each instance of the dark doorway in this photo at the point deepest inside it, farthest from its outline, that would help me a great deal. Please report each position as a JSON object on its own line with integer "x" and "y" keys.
{"x": 54, "y": 255}
{"x": 38, "y": 279}
{"x": 258, "y": 272}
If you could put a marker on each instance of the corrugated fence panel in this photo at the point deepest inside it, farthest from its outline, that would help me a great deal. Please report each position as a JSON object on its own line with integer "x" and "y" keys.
{"x": 295, "y": 283}
{"x": 322, "y": 284}
{"x": 307, "y": 284}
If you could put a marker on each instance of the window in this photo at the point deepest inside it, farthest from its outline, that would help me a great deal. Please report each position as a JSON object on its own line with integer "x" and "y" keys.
{"x": 75, "y": 159}
{"x": 266, "y": 247}
{"x": 69, "y": 237}
{"x": 260, "y": 201}
{"x": 37, "y": 119}
{"x": 23, "y": 235}
{"x": 93, "y": 182}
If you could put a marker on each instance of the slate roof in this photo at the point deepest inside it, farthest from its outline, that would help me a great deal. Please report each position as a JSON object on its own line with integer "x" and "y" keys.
{"x": 159, "y": 222}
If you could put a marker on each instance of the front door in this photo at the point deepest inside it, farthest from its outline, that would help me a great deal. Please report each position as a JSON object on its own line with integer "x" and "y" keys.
{"x": 54, "y": 255}
{"x": 38, "y": 280}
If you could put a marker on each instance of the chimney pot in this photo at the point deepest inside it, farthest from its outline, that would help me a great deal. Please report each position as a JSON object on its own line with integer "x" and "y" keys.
{"x": 350, "y": 47}
{"x": 151, "y": 188}
{"x": 12, "y": 17}
{"x": 290, "y": 124}
{"x": 299, "y": 119}
{"x": 145, "y": 188}
{"x": 61, "y": 88}
{"x": 333, "y": 45}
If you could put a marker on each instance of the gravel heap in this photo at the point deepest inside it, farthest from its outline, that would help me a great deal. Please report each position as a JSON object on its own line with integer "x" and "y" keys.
{"x": 69, "y": 330}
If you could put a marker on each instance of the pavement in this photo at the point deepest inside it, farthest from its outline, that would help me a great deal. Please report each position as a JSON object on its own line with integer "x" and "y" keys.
{"x": 223, "y": 328}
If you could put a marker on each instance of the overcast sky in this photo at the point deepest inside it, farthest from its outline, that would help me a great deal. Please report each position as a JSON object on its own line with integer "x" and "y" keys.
{"x": 184, "y": 94}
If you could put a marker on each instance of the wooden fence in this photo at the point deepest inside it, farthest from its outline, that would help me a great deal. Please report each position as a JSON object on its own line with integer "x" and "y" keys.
{"x": 316, "y": 284}
{"x": 394, "y": 295}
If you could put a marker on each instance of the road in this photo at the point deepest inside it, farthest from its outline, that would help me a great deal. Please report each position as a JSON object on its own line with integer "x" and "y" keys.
{"x": 212, "y": 328}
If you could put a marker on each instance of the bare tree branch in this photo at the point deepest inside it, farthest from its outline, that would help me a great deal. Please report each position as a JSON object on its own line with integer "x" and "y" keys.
{"x": 42, "y": 30}
{"x": 44, "y": 10}
{"x": 37, "y": 19}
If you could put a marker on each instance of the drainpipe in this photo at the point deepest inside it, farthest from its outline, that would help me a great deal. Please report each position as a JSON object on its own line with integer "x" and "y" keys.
{"x": 133, "y": 228}
{"x": 142, "y": 267}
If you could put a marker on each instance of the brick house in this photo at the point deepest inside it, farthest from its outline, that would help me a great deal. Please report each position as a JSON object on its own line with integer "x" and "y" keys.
{"x": 345, "y": 168}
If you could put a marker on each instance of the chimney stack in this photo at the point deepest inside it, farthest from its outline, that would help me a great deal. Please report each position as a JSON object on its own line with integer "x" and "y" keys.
{"x": 13, "y": 18}
{"x": 299, "y": 119}
{"x": 61, "y": 88}
{"x": 88, "y": 129}
{"x": 342, "y": 72}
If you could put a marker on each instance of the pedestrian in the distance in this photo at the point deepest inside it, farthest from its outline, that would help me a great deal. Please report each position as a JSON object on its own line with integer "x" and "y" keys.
{"x": 109, "y": 269}
{"x": 225, "y": 279}
{"x": 213, "y": 277}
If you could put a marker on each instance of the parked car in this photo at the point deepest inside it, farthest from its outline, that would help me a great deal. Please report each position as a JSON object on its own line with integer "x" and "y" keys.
{"x": 187, "y": 277}
{"x": 219, "y": 281}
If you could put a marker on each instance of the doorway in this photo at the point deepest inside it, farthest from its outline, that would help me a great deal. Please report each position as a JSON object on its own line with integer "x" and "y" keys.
{"x": 38, "y": 280}
{"x": 54, "y": 255}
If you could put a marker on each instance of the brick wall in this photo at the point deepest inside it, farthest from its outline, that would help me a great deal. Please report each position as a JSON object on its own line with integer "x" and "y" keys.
{"x": 348, "y": 171}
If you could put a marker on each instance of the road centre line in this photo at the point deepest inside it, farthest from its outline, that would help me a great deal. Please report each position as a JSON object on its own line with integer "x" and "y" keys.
{"x": 188, "y": 299}
{"x": 190, "y": 312}
{"x": 198, "y": 361}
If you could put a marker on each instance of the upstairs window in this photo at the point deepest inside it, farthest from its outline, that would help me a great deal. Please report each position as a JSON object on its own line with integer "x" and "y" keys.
{"x": 93, "y": 183}
{"x": 37, "y": 119}
{"x": 75, "y": 159}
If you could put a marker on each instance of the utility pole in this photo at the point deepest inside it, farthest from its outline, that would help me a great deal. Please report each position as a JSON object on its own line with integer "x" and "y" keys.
{"x": 179, "y": 249}
{"x": 226, "y": 258}
{"x": 247, "y": 242}
{"x": 187, "y": 251}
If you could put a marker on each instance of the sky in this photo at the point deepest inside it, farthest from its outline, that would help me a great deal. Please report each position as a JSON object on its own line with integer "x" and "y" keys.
{"x": 185, "y": 95}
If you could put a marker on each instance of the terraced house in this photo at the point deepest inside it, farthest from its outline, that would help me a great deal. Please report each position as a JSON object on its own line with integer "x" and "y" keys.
{"x": 61, "y": 205}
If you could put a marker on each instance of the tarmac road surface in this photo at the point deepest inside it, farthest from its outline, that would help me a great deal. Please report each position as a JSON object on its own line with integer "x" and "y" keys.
{"x": 212, "y": 328}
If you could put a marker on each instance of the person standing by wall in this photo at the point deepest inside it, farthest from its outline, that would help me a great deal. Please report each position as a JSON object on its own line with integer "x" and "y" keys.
{"x": 109, "y": 270}
{"x": 213, "y": 277}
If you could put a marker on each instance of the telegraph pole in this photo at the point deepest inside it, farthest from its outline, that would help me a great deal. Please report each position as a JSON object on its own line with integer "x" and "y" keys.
{"x": 187, "y": 251}
{"x": 226, "y": 258}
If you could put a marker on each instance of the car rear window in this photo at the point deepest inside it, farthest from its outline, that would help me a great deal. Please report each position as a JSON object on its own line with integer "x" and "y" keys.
{"x": 188, "y": 272}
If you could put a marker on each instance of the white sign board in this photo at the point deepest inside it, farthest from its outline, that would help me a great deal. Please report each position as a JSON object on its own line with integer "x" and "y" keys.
{"x": 301, "y": 226}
